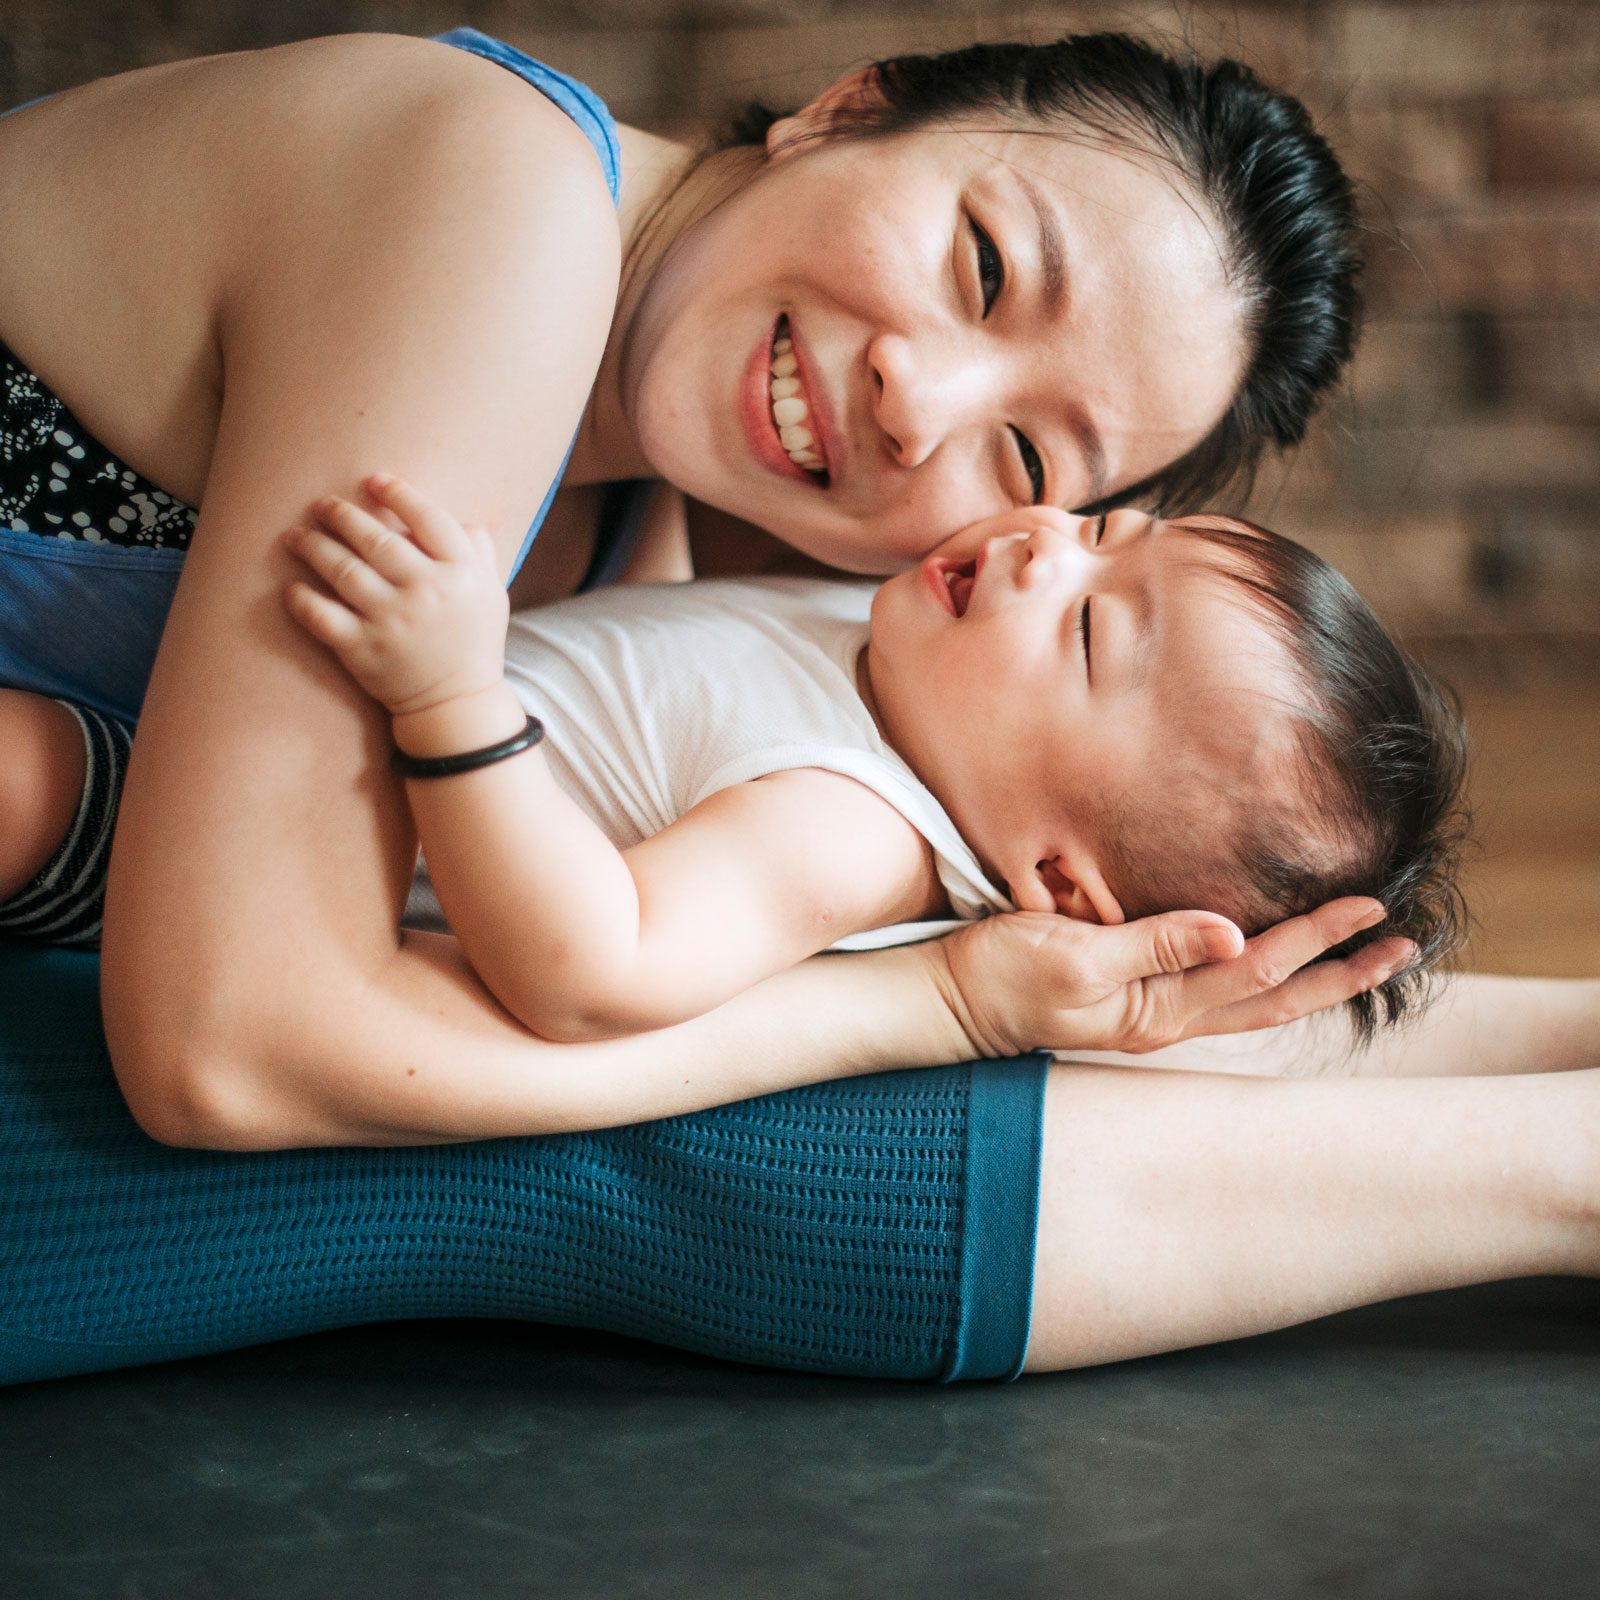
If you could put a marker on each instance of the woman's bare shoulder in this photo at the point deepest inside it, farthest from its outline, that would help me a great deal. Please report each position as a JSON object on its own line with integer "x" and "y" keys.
{"x": 223, "y": 126}
{"x": 388, "y": 84}
{"x": 407, "y": 132}
{"x": 330, "y": 167}
{"x": 416, "y": 155}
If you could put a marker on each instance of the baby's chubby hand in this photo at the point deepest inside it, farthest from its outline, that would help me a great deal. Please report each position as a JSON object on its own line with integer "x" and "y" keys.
{"x": 417, "y": 618}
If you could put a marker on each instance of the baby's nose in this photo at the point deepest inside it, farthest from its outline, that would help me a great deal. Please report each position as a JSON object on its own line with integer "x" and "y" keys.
{"x": 1045, "y": 548}
{"x": 1053, "y": 561}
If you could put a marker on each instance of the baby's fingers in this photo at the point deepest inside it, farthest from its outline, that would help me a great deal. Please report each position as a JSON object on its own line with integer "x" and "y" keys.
{"x": 435, "y": 530}
{"x": 325, "y": 620}
{"x": 342, "y": 569}
{"x": 391, "y": 555}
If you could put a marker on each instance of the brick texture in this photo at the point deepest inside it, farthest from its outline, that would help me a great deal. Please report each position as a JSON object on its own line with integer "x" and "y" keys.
{"x": 1463, "y": 50}
{"x": 1541, "y": 147}
{"x": 1457, "y": 476}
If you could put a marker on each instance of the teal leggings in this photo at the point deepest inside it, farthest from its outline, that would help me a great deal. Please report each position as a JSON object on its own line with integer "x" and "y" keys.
{"x": 877, "y": 1226}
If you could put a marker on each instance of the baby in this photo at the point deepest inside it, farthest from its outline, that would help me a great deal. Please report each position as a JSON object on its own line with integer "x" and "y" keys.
{"x": 1101, "y": 717}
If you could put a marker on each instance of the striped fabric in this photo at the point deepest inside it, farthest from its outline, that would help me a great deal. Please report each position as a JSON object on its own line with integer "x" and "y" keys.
{"x": 65, "y": 904}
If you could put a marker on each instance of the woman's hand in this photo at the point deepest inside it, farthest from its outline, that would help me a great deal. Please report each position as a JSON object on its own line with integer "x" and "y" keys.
{"x": 1027, "y": 980}
{"x": 416, "y": 621}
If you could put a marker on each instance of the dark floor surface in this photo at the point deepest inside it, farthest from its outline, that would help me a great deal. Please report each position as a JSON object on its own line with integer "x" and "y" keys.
{"x": 1444, "y": 1446}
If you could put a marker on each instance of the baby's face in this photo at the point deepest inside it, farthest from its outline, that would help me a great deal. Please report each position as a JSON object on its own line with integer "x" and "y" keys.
{"x": 1039, "y": 663}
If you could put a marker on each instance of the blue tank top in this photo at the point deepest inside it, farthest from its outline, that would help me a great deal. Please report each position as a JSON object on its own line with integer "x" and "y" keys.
{"x": 82, "y": 621}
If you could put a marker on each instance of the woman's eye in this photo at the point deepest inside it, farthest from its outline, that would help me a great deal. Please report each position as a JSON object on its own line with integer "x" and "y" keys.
{"x": 1032, "y": 464}
{"x": 991, "y": 273}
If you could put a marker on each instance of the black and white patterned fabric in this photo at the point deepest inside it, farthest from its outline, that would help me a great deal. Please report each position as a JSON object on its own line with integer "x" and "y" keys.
{"x": 57, "y": 481}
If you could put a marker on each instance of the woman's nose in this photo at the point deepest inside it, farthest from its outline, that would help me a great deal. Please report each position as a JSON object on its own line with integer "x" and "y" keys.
{"x": 922, "y": 395}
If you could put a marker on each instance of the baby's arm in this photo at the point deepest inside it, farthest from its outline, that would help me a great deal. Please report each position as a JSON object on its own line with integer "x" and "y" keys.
{"x": 581, "y": 941}
{"x": 574, "y": 938}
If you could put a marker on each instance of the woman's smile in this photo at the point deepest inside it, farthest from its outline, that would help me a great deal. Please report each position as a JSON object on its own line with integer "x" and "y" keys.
{"x": 799, "y": 407}
{"x": 782, "y": 400}
{"x": 761, "y": 426}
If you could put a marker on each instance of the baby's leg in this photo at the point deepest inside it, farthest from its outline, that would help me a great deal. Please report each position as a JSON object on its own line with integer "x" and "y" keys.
{"x": 61, "y": 769}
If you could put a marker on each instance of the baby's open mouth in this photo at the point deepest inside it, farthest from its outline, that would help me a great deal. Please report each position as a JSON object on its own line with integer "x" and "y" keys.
{"x": 791, "y": 409}
{"x": 959, "y": 577}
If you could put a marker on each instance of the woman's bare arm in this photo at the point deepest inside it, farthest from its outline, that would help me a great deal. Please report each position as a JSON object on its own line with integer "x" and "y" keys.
{"x": 423, "y": 1055}
{"x": 1479, "y": 1025}
{"x": 439, "y": 307}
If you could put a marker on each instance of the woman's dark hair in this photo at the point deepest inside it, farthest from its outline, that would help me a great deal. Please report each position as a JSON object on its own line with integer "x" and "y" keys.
{"x": 1279, "y": 195}
{"x": 1373, "y": 800}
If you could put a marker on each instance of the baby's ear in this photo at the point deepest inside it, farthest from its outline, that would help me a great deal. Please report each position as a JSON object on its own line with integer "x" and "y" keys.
{"x": 1051, "y": 886}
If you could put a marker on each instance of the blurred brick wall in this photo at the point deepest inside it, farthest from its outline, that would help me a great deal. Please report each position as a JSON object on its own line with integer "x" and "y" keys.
{"x": 1457, "y": 479}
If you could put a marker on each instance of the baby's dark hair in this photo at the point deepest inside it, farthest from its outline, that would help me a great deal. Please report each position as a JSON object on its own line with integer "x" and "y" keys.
{"x": 1373, "y": 798}
{"x": 1282, "y": 202}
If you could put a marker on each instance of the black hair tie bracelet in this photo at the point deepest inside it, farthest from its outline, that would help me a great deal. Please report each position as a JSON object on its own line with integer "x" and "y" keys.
{"x": 468, "y": 760}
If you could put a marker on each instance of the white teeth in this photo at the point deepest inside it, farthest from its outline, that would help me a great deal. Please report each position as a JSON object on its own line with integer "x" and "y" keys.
{"x": 789, "y": 408}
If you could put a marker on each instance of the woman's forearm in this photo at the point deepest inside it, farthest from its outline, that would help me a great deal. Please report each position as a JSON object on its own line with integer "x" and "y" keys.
{"x": 423, "y": 1055}
{"x": 1478, "y": 1025}
{"x": 1484, "y": 1024}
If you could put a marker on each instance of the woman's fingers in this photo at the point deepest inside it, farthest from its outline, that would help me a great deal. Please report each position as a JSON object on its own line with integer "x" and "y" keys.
{"x": 1276, "y": 955}
{"x": 1170, "y": 943}
{"x": 1314, "y": 988}
{"x": 1252, "y": 988}
{"x": 391, "y": 555}
{"x": 435, "y": 530}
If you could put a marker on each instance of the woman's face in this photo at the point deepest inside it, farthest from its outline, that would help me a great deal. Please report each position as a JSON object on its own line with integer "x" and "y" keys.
{"x": 980, "y": 319}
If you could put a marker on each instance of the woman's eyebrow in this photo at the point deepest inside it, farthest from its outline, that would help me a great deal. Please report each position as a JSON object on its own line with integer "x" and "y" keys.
{"x": 1053, "y": 264}
{"x": 1052, "y": 253}
{"x": 1094, "y": 453}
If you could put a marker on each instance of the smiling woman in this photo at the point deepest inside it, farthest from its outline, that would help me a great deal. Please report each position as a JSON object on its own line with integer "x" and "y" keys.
{"x": 1002, "y": 277}
{"x": 967, "y": 268}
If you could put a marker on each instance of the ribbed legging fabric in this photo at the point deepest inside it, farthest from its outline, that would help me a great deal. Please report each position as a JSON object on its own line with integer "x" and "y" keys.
{"x": 877, "y": 1226}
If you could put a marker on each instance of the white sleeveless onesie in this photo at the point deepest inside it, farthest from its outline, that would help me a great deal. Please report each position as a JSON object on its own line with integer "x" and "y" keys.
{"x": 655, "y": 696}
